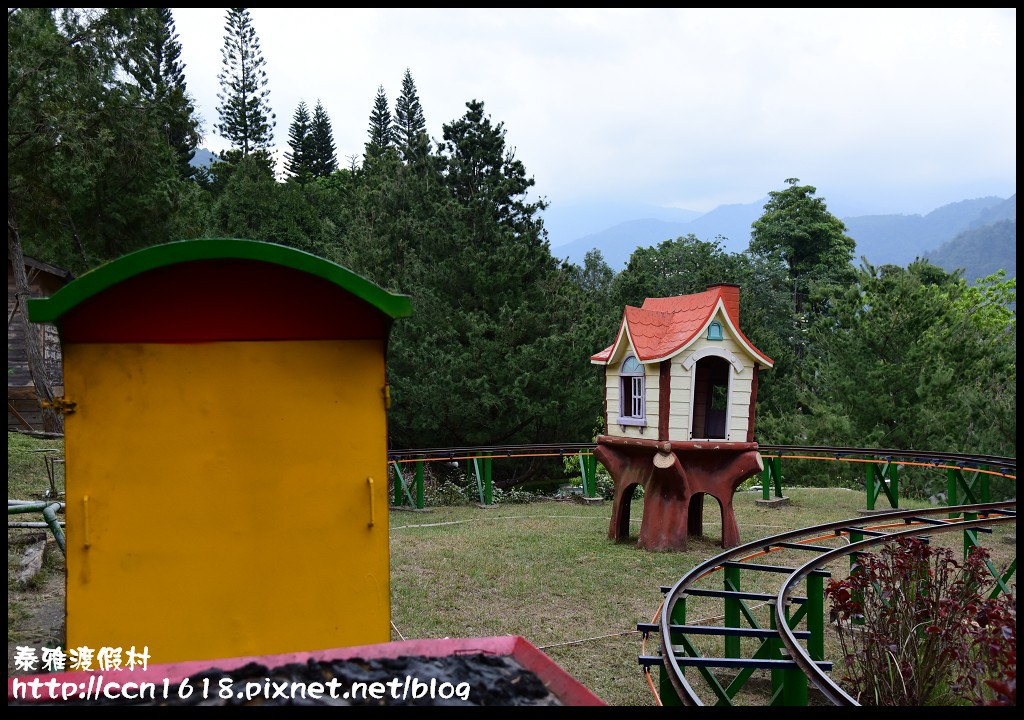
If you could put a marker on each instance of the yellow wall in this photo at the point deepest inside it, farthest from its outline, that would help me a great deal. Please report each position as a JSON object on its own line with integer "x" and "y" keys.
{"x": 228, "y": 508}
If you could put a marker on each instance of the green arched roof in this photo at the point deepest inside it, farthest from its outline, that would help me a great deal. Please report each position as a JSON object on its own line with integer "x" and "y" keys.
{"x": 94, "y": 282}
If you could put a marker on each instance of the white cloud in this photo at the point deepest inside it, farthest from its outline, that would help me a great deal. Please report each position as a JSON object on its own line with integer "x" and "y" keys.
{"x": 885, "y": 109}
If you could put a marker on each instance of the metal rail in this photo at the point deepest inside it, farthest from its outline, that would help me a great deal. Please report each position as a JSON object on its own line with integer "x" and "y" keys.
{"x": 926, "y": 456}
{"x": 992, "y": 514}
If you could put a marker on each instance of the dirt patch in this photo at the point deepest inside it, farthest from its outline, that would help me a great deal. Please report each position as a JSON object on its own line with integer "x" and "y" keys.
{"x": 35, "y": 609}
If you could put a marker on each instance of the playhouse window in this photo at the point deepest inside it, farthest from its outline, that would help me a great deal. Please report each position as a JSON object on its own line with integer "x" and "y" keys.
{"x": 631, "y": 393}
{"x": 715, "y": 331}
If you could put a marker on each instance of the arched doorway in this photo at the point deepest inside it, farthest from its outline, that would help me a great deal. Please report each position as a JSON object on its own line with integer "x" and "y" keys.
{"x": 711, "y": 398}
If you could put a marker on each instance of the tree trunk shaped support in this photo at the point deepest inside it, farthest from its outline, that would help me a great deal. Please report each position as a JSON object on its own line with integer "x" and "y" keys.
{"x": 675, "y": 477}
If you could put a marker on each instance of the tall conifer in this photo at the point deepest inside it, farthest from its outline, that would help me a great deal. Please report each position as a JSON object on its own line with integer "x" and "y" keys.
{"x": 299, "y": 160}
{"x": 246, "y": 119}
{"x": 381, "y": 132}
{"x": 410, "y": 125}
{"x": 325, "y": 159}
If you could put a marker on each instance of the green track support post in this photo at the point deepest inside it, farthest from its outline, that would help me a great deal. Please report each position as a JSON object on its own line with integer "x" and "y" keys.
{"x": 397, "y": 476}
{"x": 775, "y": 651}
{"x": 668, "y": 694}
{"x": 771, "y": 476}
{"x": 970, "y": 535}
{"x": 732, "y": 611}
{"x": 488, "y": 487}
{"x": 975, "y": 490}
{"x": 856, "y": 537}
{"x": 588, "y": 474}
{"x": 816, "y": 616}
{"x": 401, "y": 490}
{"x": 789, "y": 687}
{"x": 888, "y": 482}
{"x": 419, "y": 484}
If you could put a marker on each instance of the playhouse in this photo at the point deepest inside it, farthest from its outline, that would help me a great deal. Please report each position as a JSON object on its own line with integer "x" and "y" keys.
{"x": 225, "y": 434}
{"x": 679, "y": 400}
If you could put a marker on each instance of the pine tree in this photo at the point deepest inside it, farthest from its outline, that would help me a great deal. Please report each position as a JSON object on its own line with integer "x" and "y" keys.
{"x": 325, "y": 159}
{"x": 410, "y": 125}
{"x": 381, "y": 133}
{"x": 485, "y": 176}
{"x": 299, "y": 161}
{"x": 246, "y": 120}
{"x": 154, "y": 61}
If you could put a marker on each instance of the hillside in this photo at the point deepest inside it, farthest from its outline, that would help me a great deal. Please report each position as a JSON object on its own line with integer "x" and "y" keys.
{"x": 980, "y": 251}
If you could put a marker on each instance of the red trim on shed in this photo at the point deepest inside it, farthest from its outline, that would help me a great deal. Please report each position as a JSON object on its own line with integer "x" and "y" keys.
{"x": 753, "y": 403}
{"x": 664, "y": 397}
{"x": 222, "y": 300}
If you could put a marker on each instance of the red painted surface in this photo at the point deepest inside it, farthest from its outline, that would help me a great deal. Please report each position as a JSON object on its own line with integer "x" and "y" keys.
{"x": 223, "y": 299}
{"x": 675, "y": 477}
{"x": 664, "y": 398}
{"x": 562, "y": 685}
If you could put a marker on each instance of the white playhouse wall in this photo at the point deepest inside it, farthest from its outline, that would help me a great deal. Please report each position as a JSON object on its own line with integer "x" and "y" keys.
{"x": 651, "y": 408}
{"x": 681, "y": 398}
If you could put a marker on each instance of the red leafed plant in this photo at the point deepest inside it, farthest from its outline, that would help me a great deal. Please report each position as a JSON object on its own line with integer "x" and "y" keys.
{"x": 916, "y": 628}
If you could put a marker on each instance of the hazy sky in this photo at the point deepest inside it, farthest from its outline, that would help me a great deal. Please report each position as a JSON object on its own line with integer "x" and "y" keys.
{"x": 882, "y": 110}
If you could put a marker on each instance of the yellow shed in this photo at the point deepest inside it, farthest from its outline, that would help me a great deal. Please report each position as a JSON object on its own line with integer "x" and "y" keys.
{"x": 226, "y": 443}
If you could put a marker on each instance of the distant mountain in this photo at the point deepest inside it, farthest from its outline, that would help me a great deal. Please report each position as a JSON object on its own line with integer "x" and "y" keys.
{"x": 881, "y": 239}
{"x": 729, "y": 224}
{"x": 899, "y": 239}
{"x": 203, "y": 158}
{"x": 206, "y": 158}
{"x": 980, "y": 251}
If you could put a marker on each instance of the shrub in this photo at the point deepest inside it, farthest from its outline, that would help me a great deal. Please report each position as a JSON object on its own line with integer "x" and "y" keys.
{"x": 916, "y": 629}
{"x": 513, "y": 496}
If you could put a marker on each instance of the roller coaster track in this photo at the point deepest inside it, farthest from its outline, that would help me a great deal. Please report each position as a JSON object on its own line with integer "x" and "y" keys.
{"x": 791, "y": 650}
{"x": 1005, "y": 464}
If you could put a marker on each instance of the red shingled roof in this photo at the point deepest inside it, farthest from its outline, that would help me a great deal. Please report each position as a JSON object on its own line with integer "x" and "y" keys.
{"x": 664, "y": 326}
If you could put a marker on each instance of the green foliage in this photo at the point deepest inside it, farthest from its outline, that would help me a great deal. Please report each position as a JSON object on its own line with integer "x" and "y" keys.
{"x": 246, "y": 119}
{"x": 154, "y": 61}
{"x": 324, "y": 155}
{"x": 915, "y": 359}
{"x": 917, "y": 628}
{"x": 299, "y": 159}
{"x": 410, "y": 124}
{"x": 93, "y": 166}
{"x": 381, "y": 133}
{"x": 798, "y": 231}
{"x": 100, "y": 129}
{"x": 514, "y": 496}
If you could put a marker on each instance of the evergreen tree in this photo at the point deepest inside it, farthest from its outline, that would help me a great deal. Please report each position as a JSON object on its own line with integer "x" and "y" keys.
{"x": 299, "y": 160}
{"x": 798, "y": 230}
{"x": 381, "y": 132}
{"x": 246, "y": 120}
{"x": 90, "y": 174}
{"x": 914, "y": 358}
{"x": 484, "y": 175}
{"x": 154, "y": 61}
{"x": 325, "y": 158}
{"x": 410, "y": 125}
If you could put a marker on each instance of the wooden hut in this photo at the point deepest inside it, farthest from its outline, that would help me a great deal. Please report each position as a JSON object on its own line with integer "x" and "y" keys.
{"x": 23, "y": 411}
